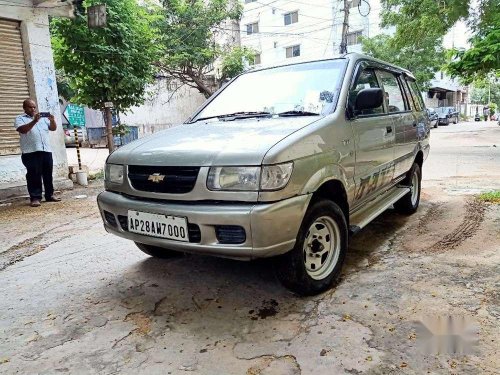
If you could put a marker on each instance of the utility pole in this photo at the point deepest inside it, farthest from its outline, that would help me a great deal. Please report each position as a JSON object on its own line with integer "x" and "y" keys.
{"x": 345, "y": 28}
{"x": 108, "y": 119}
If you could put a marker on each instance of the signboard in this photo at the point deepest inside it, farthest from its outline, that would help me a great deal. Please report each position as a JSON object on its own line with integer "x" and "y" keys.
{"x": 75, "y": 115}
{"x": 108, "y": 104}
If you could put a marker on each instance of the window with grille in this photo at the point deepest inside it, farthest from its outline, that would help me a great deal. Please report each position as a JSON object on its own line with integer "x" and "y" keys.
{"x": 293, "y": 51}
{"x": 292, "y": 17}
{"x": 252, "y": 28}
{"x": 354, "y": 37}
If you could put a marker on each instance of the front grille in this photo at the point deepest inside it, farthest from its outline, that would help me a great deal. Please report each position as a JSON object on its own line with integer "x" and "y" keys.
{"x": 110, "y": 218}
{"x": 194, "y": 232}
{"x": 230, "y": 234}
{"x": 172, "y": 180}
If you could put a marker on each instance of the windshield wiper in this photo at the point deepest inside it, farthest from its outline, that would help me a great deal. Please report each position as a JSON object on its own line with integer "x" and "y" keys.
{"x": 237, "y": 115}
{"x": 297, "y": 113}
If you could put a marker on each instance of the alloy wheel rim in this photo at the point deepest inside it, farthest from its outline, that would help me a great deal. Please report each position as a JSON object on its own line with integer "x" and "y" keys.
{"x": 321, "y": 248}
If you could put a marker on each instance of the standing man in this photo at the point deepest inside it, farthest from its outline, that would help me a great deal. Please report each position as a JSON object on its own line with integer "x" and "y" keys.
{"x": 36, "y": 151}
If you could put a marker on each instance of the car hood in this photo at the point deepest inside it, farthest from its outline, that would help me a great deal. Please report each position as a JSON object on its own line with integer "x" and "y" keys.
{"x": 238, "y": 142}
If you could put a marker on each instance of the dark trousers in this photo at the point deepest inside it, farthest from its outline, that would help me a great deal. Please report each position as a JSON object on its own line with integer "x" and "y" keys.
{"x": 39, "y": 166}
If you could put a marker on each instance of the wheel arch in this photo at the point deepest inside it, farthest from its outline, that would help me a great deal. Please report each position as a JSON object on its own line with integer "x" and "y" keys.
{"x": 334, "y": 191}
{"x": 419, "y": 158}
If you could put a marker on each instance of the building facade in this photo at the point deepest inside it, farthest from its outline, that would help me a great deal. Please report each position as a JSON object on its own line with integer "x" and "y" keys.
{"x": 281, "y": 30}
{"x": 27, "y": 70}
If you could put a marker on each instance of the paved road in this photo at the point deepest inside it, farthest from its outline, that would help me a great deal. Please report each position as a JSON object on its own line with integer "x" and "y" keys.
{"x": 78, "y": 300}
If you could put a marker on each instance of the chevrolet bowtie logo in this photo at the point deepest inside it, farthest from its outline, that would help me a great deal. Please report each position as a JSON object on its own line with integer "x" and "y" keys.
{"x": 156, "y": 177}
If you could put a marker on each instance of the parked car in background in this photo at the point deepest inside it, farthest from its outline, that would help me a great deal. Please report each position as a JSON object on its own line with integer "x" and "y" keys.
{"x": 447, "y": 115}
{"x": 433, "y": 117}
{"x": 69, "y": 135}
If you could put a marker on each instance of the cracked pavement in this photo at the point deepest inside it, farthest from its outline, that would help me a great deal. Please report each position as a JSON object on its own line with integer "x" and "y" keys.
{"x": 78, "y": 300}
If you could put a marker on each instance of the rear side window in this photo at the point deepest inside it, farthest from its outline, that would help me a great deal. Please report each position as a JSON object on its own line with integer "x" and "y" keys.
{"x": 415, "y": 93}
{"x": 393, "y": 95}
{"x": 367, "y": 79}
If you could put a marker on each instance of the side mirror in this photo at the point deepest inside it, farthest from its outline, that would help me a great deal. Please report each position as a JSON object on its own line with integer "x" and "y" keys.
{"x": 369, "y": 99}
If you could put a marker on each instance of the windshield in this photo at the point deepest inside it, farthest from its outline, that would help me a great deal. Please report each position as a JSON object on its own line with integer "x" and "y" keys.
{"x": 310, "y": 87}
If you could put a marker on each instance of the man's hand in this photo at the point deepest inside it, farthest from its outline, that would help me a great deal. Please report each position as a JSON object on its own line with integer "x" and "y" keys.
{"x": 52, "y": 120}
{"x": 36, "y": 118}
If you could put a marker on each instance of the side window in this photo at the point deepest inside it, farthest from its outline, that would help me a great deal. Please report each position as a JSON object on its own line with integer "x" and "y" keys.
{"x": 393, "y": 95}
{"x": 415, "y": 93}
{"x": 367, "y": 79}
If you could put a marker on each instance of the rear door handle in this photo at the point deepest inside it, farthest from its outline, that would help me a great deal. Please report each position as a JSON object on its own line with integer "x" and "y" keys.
{"x": 388, "y": 129}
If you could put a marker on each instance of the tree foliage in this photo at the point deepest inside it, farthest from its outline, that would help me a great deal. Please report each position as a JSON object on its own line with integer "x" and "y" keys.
{"x": 108, "y": 64}
{"x": 485, "y": 90}
{"x": 192, "y": 31}
{"x": 233, "y": 61}
{"x": 421, "y": 23}
{"x": 423, "y": 63}
{"x": 483, "y": 58}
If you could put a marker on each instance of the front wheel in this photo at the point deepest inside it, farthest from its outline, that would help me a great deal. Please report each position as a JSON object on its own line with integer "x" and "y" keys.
{"x": 408, "y": 204}
{"x": 315, "y": 262}
{"x": 158, "y": 252}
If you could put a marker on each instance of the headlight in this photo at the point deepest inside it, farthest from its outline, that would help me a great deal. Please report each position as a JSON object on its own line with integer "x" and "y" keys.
{"x": 114, "y": 173}
{"x": 234, "y": 178}
{"x": 275, "y": 177}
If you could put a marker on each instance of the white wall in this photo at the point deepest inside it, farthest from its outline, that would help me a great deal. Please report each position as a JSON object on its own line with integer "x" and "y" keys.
{"x": 42, "y": 86}
{"x": 318, "y": 30}
{"x": 169, "y": 103}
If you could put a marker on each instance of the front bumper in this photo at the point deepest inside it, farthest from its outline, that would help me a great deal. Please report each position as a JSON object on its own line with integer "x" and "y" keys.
{"x": 271, "y": 228}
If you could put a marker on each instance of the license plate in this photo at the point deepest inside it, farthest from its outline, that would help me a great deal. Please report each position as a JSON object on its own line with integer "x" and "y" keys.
{"x": 155, "y": 225}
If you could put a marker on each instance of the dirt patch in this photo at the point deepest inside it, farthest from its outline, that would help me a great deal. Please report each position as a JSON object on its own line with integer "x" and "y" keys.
{"x": 141, "y": 320}
{"x": 286, "y": 365}
{"x": 474, "y": 216}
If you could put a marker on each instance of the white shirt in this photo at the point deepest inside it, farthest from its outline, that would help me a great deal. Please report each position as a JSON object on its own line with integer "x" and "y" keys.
{"x": 37, "y": 139}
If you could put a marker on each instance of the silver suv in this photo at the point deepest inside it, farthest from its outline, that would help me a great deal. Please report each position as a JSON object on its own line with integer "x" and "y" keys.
{"x": 282, "y": 162}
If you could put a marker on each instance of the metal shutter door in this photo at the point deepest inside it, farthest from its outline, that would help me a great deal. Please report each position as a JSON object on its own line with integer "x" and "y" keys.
{"x": 13, "y": 85}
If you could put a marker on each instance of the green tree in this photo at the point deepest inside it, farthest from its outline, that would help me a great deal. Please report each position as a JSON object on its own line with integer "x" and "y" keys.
{"x": 422, "y": 62}
{"x": 424, "y": 22}
{"x": 485, "y": 90}
{"x": 110, "y": 64}
{"x": 192, "y": 31}
{"x": 233, "y": 61}
{"x": 483, "y": 58}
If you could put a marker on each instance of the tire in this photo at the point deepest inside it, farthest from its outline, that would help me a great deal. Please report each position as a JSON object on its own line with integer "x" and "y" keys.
{"x": 408, "y": 204}
{"x": 158, "y": 252}
{"x": 324, "y": 232}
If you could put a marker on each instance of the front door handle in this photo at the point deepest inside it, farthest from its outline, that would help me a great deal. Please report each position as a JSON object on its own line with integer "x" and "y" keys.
{"x": 388, "y": 129}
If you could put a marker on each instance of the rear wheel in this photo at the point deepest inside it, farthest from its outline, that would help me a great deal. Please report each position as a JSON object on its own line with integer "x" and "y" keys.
{"x": 315, "y": 262}
{"x": 158, "y": 252}
{"x": 408, "y": 204}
